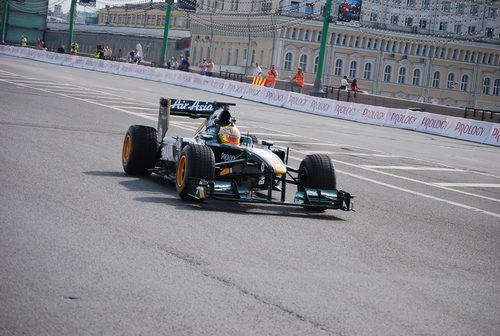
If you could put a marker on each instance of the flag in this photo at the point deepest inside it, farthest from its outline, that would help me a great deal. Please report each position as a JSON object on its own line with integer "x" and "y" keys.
{"x": 260, "y": 81}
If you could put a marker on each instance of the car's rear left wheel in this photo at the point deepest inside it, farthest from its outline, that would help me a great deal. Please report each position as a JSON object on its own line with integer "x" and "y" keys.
{"x": 140, "y": 150}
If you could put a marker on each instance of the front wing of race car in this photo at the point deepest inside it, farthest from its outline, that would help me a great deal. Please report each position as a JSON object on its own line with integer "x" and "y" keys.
{"x": 230, "y": 191}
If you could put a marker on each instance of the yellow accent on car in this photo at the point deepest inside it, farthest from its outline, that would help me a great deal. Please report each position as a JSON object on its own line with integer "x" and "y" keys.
{"x": 126, "y": 149}
{"x": 181, "y": 172}
{"x": 225, "y": 171}
{"x": 272, "y": 159}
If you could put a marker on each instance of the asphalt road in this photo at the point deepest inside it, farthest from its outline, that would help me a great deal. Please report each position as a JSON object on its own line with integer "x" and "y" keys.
{"x": 88, "y": 250}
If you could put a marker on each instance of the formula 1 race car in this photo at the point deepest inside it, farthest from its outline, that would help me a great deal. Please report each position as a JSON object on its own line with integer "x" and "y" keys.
{"x": 220, "y": 163}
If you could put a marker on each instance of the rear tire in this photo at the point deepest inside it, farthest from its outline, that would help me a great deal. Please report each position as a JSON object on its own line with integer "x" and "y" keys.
{"x": 195, "y": 161}
{"x": 316, "y": 171}
{"x": 140, "y": 150}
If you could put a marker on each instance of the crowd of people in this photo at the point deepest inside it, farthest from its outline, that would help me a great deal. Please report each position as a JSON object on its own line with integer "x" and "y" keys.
{"x": 179, "y": 64}
{"x": 349, "y": 84}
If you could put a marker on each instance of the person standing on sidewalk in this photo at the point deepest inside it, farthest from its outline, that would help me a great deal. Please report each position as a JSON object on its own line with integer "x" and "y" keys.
{"x": 271, "y": 77}
{"x": 298, "y": 81}
{"x": 257, "y": 71}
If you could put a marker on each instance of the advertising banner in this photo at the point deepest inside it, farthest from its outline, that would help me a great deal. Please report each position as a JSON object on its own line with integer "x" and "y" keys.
{"x": 376, "y": 115}
{"x": 321, "y": 106}
{"x": 234, "y": 89}
{"x": 299, "y": 102}
{"x": 345, "y": 110}
{"x": 349, "y": 10}
{"x": 434, "y": 123}
{"x": 275, "y": 97}
{"x": 494, "y": 136}
{"x": 402, "y": 118}
{"x": 253, "y": 92}
{"x": 216, "y": 85}
{"x": 470, "y": 130}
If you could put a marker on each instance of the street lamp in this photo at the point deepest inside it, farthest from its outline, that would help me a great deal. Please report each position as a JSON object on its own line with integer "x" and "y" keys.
{"x": 318, "y": 83}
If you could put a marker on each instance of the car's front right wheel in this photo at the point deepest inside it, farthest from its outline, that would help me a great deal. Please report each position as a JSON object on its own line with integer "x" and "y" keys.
{"x": 196, "y": 161}
{"x": 316, "y": 171}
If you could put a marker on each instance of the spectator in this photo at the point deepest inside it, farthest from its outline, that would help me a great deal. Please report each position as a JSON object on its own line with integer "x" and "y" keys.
{"x": 186, "y": 64}
{"x": 203, "y": 67}
{"x": 61, "y": 49}
{"x": 73, "y": 48}
{"x": 257, "y": 71}
{"x": 175, "y": 63}
{"x": 354, "y": 85}
{"x": 39, "y": 43}
{"x": 170, "y": 62}
{"x": 181, "y": 63}
{"x": 298, "y": 81}
{"x": 210, "y": 67}
{"x": 344, "y": 82}
{"x": 24, "y": 41}
{"x": 271, "y": 77}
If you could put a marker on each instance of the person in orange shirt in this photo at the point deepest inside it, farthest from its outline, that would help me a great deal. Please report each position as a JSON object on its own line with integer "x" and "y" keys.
{"x": 298, "y": 81}
{"x": 271, "y": 77}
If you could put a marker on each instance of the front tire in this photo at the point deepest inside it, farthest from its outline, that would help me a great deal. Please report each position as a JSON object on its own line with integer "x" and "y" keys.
{"x": 140, "y": 150}
{"x": 316, "y": 171}
{"x": 195, "y": 161}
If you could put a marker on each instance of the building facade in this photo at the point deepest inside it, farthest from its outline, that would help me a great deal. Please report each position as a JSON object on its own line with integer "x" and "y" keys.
{"x": 444, "y": 52}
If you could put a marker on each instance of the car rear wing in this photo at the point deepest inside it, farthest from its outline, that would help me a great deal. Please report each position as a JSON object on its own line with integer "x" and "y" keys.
{"x": 186, "y": 108}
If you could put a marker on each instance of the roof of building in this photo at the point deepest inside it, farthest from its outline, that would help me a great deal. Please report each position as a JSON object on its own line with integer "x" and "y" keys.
{"x": 110, "y": 29}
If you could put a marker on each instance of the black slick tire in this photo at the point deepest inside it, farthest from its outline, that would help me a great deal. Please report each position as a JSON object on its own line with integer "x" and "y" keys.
{"x": 316, "y": 171}
{"x": 195, "y": 161}
{"x": 140, "y": 150}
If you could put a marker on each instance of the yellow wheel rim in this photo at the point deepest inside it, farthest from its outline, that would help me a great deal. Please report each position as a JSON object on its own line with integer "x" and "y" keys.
{"x": 181, "y": 172}
{"x": 126, "y": 149}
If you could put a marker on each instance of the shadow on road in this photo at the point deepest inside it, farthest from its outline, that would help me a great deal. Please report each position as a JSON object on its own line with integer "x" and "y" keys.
{"x": 156, "y": 184}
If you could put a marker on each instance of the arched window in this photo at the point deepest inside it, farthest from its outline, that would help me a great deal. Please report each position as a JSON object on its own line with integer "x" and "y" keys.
{"x": 387, "y": 73}
{"x": 416, "y": 77}
{"x": 353, "y": 69}
{"x": 496, "y": 87}
{"x": 451, "y": 81}
{"x": 303, "y": 62}
{"x": 316, "y": 60}
{"x": 486, "y": 86}
{"x": 402, "y": 75}
{"x": 435, "y": 79}
{"x": 464, "y": 83}
{"x": 288, "y": 61}
{"x": 368, "y": 71}
{"x": 338, "y": 67}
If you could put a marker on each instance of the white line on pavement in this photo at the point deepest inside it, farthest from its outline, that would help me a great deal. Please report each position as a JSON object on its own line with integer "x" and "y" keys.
{"x": 474, "y": 185}
{"x": 413, "y": 168}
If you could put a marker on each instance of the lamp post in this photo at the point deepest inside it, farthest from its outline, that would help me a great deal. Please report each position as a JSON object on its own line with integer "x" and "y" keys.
{"x": 163, "y": 58}
{"x": 71, "y": 22}
{"x": 318, "y": 83}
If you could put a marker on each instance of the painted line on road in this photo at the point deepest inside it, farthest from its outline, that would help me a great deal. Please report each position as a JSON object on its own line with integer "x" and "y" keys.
{"x": 356, "y": 154}
{"x": 474, "y": 185}
{"x": 413, "y": 168}
{"x": 461, "y": 205}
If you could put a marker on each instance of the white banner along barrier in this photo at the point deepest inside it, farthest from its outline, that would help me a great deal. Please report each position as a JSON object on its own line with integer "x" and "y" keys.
{"x": 459, "y": 128}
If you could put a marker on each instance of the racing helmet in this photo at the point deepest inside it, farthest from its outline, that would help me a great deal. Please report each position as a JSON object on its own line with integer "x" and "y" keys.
{"x": 229, "y": 135}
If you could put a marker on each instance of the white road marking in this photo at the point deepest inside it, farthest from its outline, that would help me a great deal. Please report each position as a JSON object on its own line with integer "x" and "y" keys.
{"x": 474, "y": 185}
{"x": 413, "y": 168}
{"x": 353, "y": 154}
{"x": 134, "y": 107}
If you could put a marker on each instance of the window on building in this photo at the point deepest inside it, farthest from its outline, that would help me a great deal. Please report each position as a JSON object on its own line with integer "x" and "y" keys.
{"x": 344, "y": 40}
{"x": 309, "y": 8}
{"x": 293, "y": 36}
{"x": 457, "y": 29}
{"x": 307, "y": 35}
{"x": 288, "y": 61}
{"x": 318, "y": 37}
{"x": 338, "y": 67}
{"x": 489, "y": 32}
{"x": 388, "y": 45}
{"x": 408, "y": 21}
{"x": 417, "y": 51}
{"x": 424, "y": 50}
{"x": 369, "y": 43}
{"x": 460, "y": 8}
{"x": 337, "y": 40}
{"x": 368, "y": 71}
{"x": 422, "y": 23}
{"x": 406, "y": 48}
{"x": 402, "y": 75}
{"x": 441, "y": 54}
{"x": 474, "y": 9}
{"x": 467, "y": 55}
{"x": 236, "y": 55}
{"x": 387, "y": 73}
{"x": 496, "y": 87}
{"x": 445, "y": 6}
{"x": 303, "y": 62}
{"x": 353, "y": 69}
{"x": 451, "y": 81}
{"x": 426, "y": 4}
{"x": 435, "y": 79}
{"x": 473, "y": 56}
{"x": 394, "y": 19}
{"x": 228, "y": 60}
{"x": 316, "y": 62}
{"x": 486, "y": 86}
{"x": 464, "y": 83}
{"x": 253, "y": 57}
{"x": 471, "y": 29}
{"x": 356, "y": 42}
{"x": 416, "y": 77}
{"x": 410, "y": 3}
{"x": 294, "y": 6}
{"x": 492, "y": 12}
{"x": 443, "y": 26}
{"x": 373, "y": 17}
{"x": 454, "y": 54}
{"x": 375, "y": 44}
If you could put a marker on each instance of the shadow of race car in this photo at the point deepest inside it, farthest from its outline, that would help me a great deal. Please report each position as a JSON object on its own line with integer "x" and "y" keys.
{"x": 220, "y": 163}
